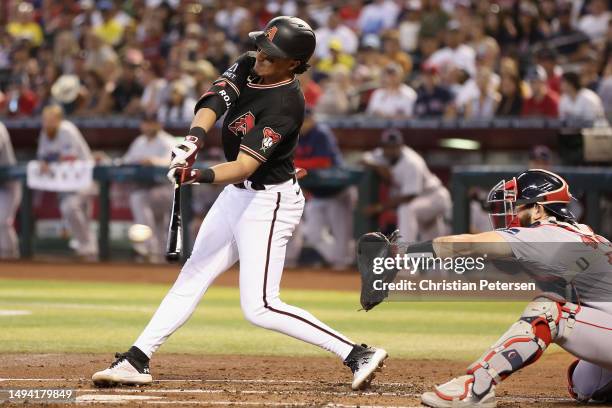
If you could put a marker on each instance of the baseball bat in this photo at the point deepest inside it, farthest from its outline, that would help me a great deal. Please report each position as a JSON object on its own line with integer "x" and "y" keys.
{"x": 175, "y": 241}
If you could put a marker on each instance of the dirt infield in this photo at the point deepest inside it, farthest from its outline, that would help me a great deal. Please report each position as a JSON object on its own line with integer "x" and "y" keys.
{"x": 187, "y": 380}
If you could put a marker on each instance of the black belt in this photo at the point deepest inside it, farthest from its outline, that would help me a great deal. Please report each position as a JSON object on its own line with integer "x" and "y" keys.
{"x": 254, "y": 186}
{"x": 258, "y": 186}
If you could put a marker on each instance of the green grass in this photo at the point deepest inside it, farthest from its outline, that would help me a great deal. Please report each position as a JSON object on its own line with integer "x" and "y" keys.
{"x": 107, "y": 317}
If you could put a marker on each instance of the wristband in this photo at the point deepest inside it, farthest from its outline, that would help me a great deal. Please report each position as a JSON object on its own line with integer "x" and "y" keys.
{"x": 421, "y": 248}
{"x": 199, "y": 133}
{"x": 207, "y": 176}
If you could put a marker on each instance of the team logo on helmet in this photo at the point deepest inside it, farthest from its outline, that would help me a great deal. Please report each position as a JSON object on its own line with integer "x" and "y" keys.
{"x": 270, "y": 138}
{"x": 242, "y": 124}
{"x": 271, "y": 32}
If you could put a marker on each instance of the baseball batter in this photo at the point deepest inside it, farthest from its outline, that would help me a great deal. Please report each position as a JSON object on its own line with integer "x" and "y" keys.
{"x": 538, "y": 231}
{"x": 10, "y": 197}
{"x": 256, "y": 213}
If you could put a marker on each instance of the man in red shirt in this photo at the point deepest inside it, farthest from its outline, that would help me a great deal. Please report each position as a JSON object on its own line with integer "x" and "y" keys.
{"x": 544, "y": 102}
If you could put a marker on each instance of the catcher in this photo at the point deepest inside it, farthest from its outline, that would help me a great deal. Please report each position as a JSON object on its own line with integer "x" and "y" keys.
{"x": 535, "y": 229}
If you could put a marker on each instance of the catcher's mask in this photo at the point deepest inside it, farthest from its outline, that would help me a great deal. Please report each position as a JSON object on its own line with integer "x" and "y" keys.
{"x": 530, "y": 187}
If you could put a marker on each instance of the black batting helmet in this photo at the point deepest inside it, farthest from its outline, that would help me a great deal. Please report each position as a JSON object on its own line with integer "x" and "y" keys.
{"x": 530, "y": 187}
{"x": 286, "y": 37}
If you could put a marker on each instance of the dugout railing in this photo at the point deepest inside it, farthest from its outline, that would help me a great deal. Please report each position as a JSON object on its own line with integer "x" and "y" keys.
{"x": 106, "y": 175}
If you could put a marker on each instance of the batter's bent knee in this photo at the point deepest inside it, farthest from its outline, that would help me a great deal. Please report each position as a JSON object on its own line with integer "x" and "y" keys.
{"x": 257, "y": 315}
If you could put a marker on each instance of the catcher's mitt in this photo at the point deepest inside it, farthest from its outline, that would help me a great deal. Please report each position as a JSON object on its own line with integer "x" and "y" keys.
{"x": 369, "y": 246}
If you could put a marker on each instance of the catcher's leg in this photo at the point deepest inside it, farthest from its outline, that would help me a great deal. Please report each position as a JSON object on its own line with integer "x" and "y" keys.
{"x": 588, "y": 381}
{"x": 521, "y": 345}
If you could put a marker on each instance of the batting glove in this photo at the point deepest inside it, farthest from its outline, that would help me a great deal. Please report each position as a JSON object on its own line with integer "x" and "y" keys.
{"x": 184, "y": 154}
{"x": 184, "y": 175}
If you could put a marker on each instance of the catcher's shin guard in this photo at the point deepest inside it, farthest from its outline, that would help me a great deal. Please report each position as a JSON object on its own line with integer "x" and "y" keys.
{"x": 523, "y": 343}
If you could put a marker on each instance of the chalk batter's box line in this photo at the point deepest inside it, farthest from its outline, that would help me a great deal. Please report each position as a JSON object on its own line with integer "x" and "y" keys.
{"x": 213, "y": 391}
{"x": 515, "y": 398}
{"x": 212, "y": 381}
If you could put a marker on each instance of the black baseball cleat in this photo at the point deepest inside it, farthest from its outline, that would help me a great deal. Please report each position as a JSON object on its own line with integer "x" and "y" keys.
{"x": 131, "y": 368}
{"x": 364, "y": 361}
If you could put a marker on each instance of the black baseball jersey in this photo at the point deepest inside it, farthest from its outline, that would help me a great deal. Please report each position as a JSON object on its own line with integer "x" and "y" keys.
{"x": 262, "y": 121}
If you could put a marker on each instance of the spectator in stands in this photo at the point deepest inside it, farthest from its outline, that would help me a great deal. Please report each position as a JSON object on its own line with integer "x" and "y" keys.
{"x": 124, "y": 95}
{"x": 24, "y": 27}
{"x": 204, "y": 73}
{"x": 370, "y": 58}
{"x": 66, "y": 92}
{"x": 335, "y": 98}
{"x": 328, "y": 213}
{"x": 422, "y": 202}
{"x": 589, "y": 70}
{"x": 528, "y": 30}
{"x": 547, "y": 58}
{"x": 153, "y": 89}
{"x": 101, "y": 57}
{"x": 434, "y": 19}
{"x": 486, "y": 47}
{"x": 577, "y": 102}
{"x": 21, "y": 100}
{"x": 464, "y": 89}
{"x": 178, "y": 107}
{"x": 456, "y": 54}
{"x": 544, "y": 102}
{"x": 378, "y": 16}
{"x": 511, "y": 103}
{"x": 312, "y": 90}
{"x": 566, "y": 38}
{"x": 65, "y": 49}
{"x": 110, "y": 29}
{"x": 349, "y": 13}
{"x": 392, "y": 51}
{"x": 60, "y": 140}
{"x": 150, "y": 202}
{"x": 605, "y": 90}
{"x": 229, "y": 17}
{"x": 92, "y": 96}
{"x": 220, "y": 51}
{"x": 335, "y": 30}
{"x": 10, "y": 197}
{"x": 432, "y": 96}
{"x": 394, "y": 99}
{"x": 484, "y": 104}
{"x": 337, "y": 57}
{"x": 410, "y": 26}
{"x": 595, "y": 23}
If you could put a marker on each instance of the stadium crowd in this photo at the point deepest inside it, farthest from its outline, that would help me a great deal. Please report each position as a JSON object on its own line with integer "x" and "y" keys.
{"x": 394, "y": 59}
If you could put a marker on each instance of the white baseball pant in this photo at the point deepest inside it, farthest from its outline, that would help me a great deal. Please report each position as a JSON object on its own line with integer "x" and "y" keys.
{"x": 423, "y": 218}
{"x": 336, "y": 214}
{"x": 590, "y": 340}
{"x": 253, "y": 226}
{"x": 149, "y": 207}
{"x": 76, "y": 211}
{"x": 10, "y": 197}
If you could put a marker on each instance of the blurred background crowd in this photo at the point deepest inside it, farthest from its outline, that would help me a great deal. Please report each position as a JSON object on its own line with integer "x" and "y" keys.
{"x": 387, "y": 58}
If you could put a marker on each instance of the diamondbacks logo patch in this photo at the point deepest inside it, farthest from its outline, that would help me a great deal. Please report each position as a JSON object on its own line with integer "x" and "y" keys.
{"x": 242, "y": 124}
{"x": 271, "y": 32}
{"x": 270, "y": 138}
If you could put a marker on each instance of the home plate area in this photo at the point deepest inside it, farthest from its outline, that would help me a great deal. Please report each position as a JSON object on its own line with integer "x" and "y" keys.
{"x": 187, "y": 380}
